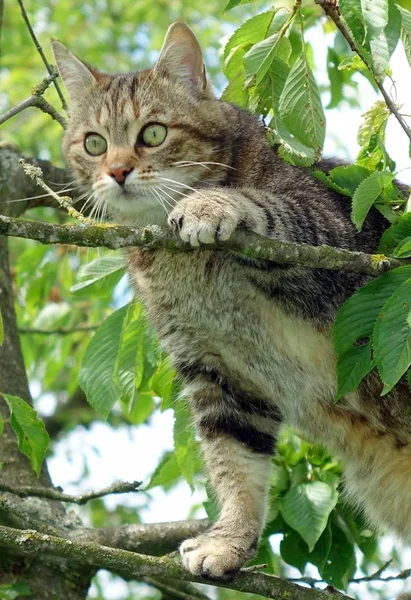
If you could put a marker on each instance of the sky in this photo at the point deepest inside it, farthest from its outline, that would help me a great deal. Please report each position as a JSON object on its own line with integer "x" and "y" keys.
{"x": 129, "y": 455}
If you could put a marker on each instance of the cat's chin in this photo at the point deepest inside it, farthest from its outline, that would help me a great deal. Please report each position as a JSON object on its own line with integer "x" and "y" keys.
{"x": 138, "y": 215}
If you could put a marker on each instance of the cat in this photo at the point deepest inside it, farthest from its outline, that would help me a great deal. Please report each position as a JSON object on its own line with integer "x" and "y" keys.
{"x": 251, "y": 339}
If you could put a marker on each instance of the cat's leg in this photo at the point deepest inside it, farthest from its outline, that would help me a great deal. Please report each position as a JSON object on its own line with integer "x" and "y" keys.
{"x": 238, "y": 438}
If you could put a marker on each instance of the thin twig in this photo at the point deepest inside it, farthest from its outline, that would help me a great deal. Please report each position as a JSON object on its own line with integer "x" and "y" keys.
{"x": 36, "y": 174}
{"x": 40, "y": 51}
{"x": 36, "y": 101}
{"x": 58, "y": 331}
{"x": 249, "y": 244}
{"x": 331, "y": 10}
{"x": 57, "y": 494}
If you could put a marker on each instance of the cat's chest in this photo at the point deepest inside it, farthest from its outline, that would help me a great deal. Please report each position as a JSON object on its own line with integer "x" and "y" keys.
{"x": 203, "y": 306}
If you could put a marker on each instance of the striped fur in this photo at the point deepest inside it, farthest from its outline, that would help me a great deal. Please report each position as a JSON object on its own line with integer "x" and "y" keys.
{"x": 251, "y": 339}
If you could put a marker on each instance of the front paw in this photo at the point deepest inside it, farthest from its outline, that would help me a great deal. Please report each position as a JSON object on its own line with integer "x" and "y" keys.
{"x": 215, "y": 557}
{"x": 200, "y": 219}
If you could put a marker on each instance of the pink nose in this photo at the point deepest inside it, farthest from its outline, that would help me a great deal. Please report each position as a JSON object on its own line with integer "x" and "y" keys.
{"x": 120, "y": 173}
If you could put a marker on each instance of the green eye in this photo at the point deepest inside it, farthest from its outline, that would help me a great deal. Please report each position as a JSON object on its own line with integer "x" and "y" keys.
{"x": 154, "y": 135}
{"x": 95, "y": 144}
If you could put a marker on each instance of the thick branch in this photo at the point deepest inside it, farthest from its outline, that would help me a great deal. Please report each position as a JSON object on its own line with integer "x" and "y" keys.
{"x": 246, "y": 243}
{"x": 132, "y": 565}
{"x": 57, "y": 494}
{"x": 156, "y": 539}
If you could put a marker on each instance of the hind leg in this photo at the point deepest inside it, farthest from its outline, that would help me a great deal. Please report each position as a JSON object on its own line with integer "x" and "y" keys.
{"x": 238, "y": 438}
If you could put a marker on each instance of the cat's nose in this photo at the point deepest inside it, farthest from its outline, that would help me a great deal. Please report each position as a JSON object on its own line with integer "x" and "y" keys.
{"x": 120, "y": 173}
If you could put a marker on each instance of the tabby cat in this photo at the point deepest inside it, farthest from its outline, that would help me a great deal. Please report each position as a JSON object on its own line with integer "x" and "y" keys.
{"x": 250, "y": 338}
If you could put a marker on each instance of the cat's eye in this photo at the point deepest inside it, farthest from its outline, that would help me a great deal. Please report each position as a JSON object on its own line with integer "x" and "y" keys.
{"x": 154, "y": 134}
{"x": 95, "y": 144}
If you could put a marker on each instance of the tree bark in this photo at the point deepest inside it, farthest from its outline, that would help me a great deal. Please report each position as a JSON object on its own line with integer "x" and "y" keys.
{"x": 47, "y": 577}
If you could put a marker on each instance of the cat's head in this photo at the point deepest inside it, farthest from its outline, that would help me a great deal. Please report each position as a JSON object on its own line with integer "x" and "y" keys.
{"x": 136, "y": 140}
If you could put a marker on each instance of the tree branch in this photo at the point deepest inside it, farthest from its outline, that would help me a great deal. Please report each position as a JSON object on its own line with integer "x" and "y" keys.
{"x": 133, "y": 565}
{"x": 156, "y": 539}
{"x": 58, "y": 494}
{"x": 331, "y": 10}
{"x": 249, "y": 244}
{"x": 36, "y": 101}
{"x": 40, "y": 51}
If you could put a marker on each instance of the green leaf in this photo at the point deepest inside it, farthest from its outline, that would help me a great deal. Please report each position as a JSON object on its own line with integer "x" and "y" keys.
{"x": 320, "y": 554}
{"x": 291, "y": 149}
{"x": 392, "y": 337}
{"x": 371, "y": 136}
{"x": 129, "y": 367}
{"x": 185, "y": 445}
{"x": 327, "y": 180}
{"x": 250, "y": 32}
{"x": 403, "y": 250}
{"x": 97, "y": 372}
{"x": 32, "y": 437}
{"x": 384, "y": 44}
{"x": 167, "y": 472}
{"x": 1, "y": 329}
{"x": 352, "y": 367}
{"x": 163, "y": 383}
{"x": 349, "y": 177}
{"x": 352, "y": 13}
{"x": 14, "y": 591}
{"x": 294, "y": 550}
{"x": 100, "y": 276}
{"x": 300, "y": 106}
{"x": 356, "y": 319}
{"x": 375, "y": 15}
{"x": 406, "y": 31}
{"x": 258, "y": 60}
{"x": 233, "y": 3}
{"x": 367, "y": 193}
{"x": 340, "y": 565}
{"x": 306, "y": 508}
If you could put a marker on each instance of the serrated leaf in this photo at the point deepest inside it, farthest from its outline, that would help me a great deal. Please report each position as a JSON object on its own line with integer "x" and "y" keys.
{"x": 129, "y": 366}
{"x": 258, "y": 60}
{"x": 167, "y": 472}
{"x": 367, "y": 193}
{"x": 352, "y": 63}
{"x": 375, "y": 121}
{"x": 32, "y": 437}
{"x": 163, "y": 383}
{"x": 96, "y": 376}
{"x": 384, "y": 44}
{"x": 356, "y": 318}
{"x": 99, "y": 276}
{"x": 185, "y": 445}
{"x": 324, "y": 178}
{"x": 349, "y": 177}
{"x": 375, "y": 16}
{"x": 300, "y": 106}
{"x": 291, "y": 149}
{"x": 352, "y": 13}
{"x": 13, "y": 591}
{"x": 392, "y": 337}
{"x": 250, "y": 32}
{"x": 406, "y": 31}
{"x": 352, "y": 367}
{"x": 233, "y": 3}
{"x": 306, "y": 508}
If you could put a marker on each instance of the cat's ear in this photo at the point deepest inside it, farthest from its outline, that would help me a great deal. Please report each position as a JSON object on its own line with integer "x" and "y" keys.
{"x": 76, "y": 75}
{"x": 181, "y": 56}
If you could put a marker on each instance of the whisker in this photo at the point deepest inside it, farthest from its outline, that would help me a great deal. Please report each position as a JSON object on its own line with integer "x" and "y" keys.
{"x": 187, "y": 163}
